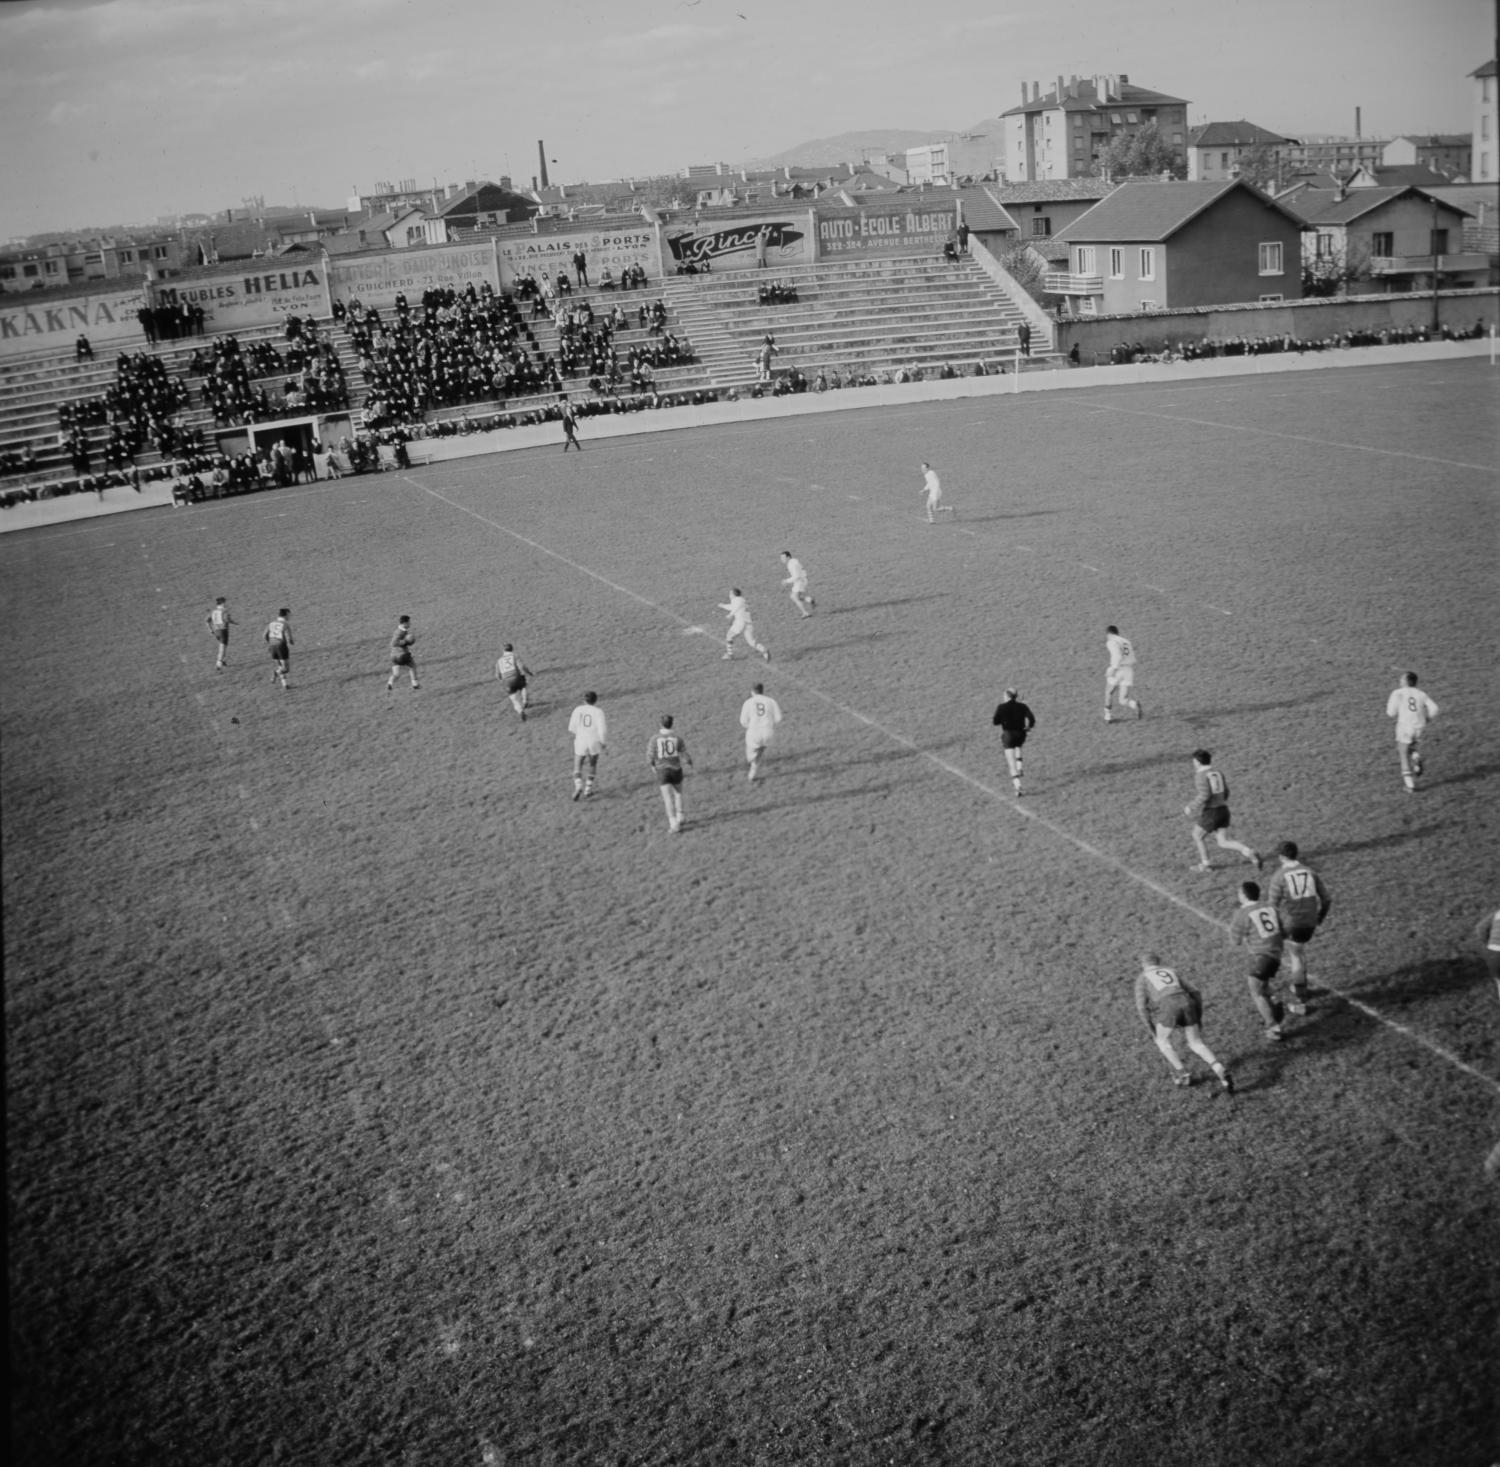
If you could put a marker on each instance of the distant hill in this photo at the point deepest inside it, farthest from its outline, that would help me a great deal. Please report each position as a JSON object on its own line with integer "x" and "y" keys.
{"x": 852, "y": 147}
{"x": 848, "y": 147}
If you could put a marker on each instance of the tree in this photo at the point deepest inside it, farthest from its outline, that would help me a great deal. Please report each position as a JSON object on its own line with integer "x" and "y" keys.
{"x": 1139, "y": 155}
{"x": 1261, "y": 166}
{"x": 1026, "y": 268}
{"x": 1333, "y": 274}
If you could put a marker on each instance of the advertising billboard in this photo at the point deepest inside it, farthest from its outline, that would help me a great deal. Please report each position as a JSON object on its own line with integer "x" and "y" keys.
{"x": 376, "y": 280}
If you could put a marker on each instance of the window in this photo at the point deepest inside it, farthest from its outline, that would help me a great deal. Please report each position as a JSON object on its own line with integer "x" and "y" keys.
{"x": 1041, "y": 226}
{"x": 1088, "y": 306}
{"x": 1484, "y": 127}
{"x": 1088, "y": 260}
{"x": 1116, "y": 263}
{"x": 1439, "y": 242}
{"x": 1224, "y": 160}
{"x": 1114, "y": 117}
{"x": 1270, "y": 258}
{"x": 1267, "y": 300}
{"x": 1325, "y": 246}
{"x": 1148, "y": 264}
{"x": 1382, "y": 242}
{"x": 1131, "y": 117}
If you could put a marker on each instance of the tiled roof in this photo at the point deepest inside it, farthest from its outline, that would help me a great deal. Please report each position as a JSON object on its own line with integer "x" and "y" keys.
{"x": 1053, "y": 191}
{"x": 1087, "y": 100}
{"x": 1239, "y": 134}
{"x": 983, "y": 211}
{"x": 1156, "y": 211}
{"x": 1415, "y": 175}
{"x": 1324, "y": 206}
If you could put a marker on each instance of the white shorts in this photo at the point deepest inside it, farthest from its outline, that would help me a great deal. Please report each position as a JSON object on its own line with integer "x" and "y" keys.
{"x": 1120, "y": 677}
{"x": 755, "y": 745}
{"x": 740, "y": 626}
{"x": 590, "y": 750}
{"x": 1408, "y": 735}
{"x": 799, "y": 588}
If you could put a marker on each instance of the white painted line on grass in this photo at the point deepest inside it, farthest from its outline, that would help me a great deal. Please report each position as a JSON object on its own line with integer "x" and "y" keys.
{"x": 1425, "y": 458}
{"x": 1016, "y": 806}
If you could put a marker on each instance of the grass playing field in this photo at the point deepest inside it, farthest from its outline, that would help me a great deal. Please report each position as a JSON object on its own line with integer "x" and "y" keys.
{"x": 370, "y": 1101}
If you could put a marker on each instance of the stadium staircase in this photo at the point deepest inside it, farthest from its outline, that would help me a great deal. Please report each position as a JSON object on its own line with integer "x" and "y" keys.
{"x": 870, "y": 315}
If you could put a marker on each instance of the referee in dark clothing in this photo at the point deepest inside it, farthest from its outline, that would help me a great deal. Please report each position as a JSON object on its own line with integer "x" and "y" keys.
{"x": 1014, "y": 720}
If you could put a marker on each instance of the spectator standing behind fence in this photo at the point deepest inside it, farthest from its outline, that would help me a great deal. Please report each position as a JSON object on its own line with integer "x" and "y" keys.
{"x": 581, "y": 266}
{"x": 1023, "y": 338}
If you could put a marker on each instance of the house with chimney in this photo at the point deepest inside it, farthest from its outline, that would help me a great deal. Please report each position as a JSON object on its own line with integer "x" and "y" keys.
{"x": 1169, "y": 245}
{"x": 1378, "y": 241}
{"x": 1065, "y": 133}
{"x": 1216, "y": 150}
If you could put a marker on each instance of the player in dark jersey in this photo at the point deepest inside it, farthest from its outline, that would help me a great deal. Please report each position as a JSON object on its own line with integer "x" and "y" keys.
{"x": 1166, "y": 1004}
{"x": 219, "y": 622}
{"x": 514, "y": 677}
{"x": 278, "y": 636}
{"x": 1210, "y": 811}
{"x": 667, "y": 752}
{"x": 1258, "y": 926}
{"x": 403, "y": 639}
{"x": 1014, "y": 720}
{"x": 1302, "y": 902}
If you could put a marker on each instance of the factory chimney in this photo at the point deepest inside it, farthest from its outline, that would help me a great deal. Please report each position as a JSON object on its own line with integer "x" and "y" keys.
{"x": 541, "y": 153}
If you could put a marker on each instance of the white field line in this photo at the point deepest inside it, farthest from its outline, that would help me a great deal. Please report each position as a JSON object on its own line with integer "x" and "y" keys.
{"x": 1016, "y": 806}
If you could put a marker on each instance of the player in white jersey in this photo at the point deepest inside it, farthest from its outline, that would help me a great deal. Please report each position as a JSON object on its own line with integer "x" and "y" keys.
{"x": 758, "y": 717}
{"x": 1488, "y": 932}
{"x": 1413, "y": 710}
{"x": 1120, "y": 676}
{"x": 278, "y": 637}
{"x": 796, "y": 578}
{"x": 514, "y": 675}
{"x": 219, "y": 622}
{"x": 932, "y": 487}
{"x": 589, "y": 732}
{"x": 740, "y": 624}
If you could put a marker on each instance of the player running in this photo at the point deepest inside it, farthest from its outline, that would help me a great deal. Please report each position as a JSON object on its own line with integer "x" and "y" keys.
{"x": 667, "y": 751}
{"x": 589, "y": 730}
{"x": 759, "y": 716}
{"x": 1210, "y": 811}
{"x": 1488, "y": 932}
{"x": 1120, "y": 676}
{"x": 278, "y": 637}
{"x": 1302, "y": 902}
{"x": 1413, "y": 710}
{"x": 403, "y": 639}
{"x": 932, "y": 487}
{"x": 1014, "y": 720}
{"x": 1166, "y": 1004}
{"x": 1258, "y": 926}
{"x": 740, "y": 624}
{"x": 219, "y": 622}
{"x": 796, "y": 578}
{"x": 514, "y": 676}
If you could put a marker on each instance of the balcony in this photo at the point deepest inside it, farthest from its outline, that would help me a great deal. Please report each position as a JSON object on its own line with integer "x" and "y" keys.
{"x": 1060, "y": 282}
{"x": 1454, "y": 264}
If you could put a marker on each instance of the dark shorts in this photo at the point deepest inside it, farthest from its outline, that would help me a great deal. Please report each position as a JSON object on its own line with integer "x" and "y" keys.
{"x": 1012, "y": 740}
{"x": 401, "y": 659}
{"x": 668, "y": 776}
{"x": 515, "y": 683}
{"x": 1264, "y": 967}
{"x": 1216, "y": 817}
{"x": 280, "y": 652}
{"x": 1303, "y": 932}
{"x": 1178, "y": 1010}
{"x": 1492, "y": 961}
{"x": 221, "y": 634}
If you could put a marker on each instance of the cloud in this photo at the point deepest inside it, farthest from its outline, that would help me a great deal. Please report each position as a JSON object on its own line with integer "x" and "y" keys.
{"x": 62, "y": 113}
{"x": 667, "y": 39}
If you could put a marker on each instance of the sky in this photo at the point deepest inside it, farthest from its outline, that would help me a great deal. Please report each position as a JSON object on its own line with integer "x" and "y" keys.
{"x": 124, "y": 111}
